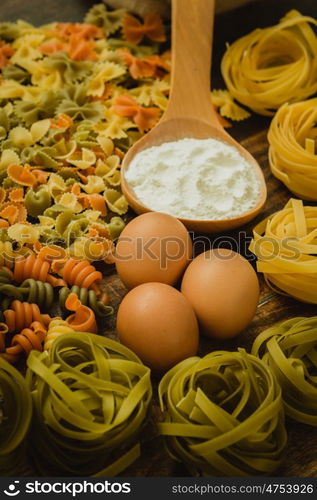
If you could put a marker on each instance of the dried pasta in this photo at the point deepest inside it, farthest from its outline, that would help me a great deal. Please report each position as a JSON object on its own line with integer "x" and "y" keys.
{"x": 15, "y": 419}
{"x": 32, "y": 291}
{"x": 292, "y": 153}
{"x": 285, "y": 245}
{"x": 23, "y": 343}
{"x": 274, "y": 65}
{"x": 87, "y": 297}
{"x": 80, "y": 273}
{"x": 22, "y": 314}
{"x": 83, "y": 319}
{"x": 223, "y": 415}
{"x": 35, "y": 268}
{"x": 70, "y": 385}
{"x": 56, "y": 328}
{"x": 289, "y": 350}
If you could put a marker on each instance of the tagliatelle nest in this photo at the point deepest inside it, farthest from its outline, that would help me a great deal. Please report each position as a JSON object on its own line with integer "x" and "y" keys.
{"x": 15, "y": 417}
{"x": 285, "y": 244}
{"x": 270, "y": 66}
{"x": 223, "y": 415}
{"x": 289, "y": 349}
{"x": 91, "y": 396}
{"x": 292, "y": 154}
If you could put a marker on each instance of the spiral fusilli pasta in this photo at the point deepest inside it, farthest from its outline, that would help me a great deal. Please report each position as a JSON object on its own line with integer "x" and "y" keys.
{"x": 56, "y": 328}
{"x": 22, "y": 314}
{"x": 24, "y": 342}
{"x": 88, "y": 298}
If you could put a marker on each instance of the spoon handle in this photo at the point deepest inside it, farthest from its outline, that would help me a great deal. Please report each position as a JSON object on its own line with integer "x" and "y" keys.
{"x": 192, "y": 29}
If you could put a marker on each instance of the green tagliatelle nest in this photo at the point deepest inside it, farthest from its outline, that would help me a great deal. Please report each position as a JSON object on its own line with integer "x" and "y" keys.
{"x": 224, "y": 415}
{"x": 15, "y": 417}
{"x": 91, "y": 397}
{"x": 290, "y": 350}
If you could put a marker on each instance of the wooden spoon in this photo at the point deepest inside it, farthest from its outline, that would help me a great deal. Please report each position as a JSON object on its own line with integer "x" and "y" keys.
{"x": 189, "y": 112}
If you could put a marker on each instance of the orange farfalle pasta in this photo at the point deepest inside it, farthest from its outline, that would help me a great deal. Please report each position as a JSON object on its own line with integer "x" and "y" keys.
{"x": 16, "y": 194}
{"x": 83, "y": 319}
{"x": 97, "y": 202}
{"x": 67, "y": 30}
{"x": 80, "y": 38}
{"x": 134, "y": 30}
{"x": 143, "y": 67}
{"x": 52, "y": 46}
{"x": 35, "y": 268}
{"x": 22, "y": 212}
{"x": 21, "y": 174}
{"x": 81, "y": 50}
{"x": 78, "y": 272}
{"x": 6, "y": 51}
{"x": 144, "y": 118}
{"x": 10, "y": 213}
{"x": 22, "y": 314}
{"x": 24, "y": 342}
{"x": 62, "y": 121}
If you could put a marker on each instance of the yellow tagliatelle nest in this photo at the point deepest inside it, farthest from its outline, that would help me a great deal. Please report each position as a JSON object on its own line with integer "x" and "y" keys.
{"x": 91, "y": 397}
{"x": 289, "y": 349}
{"x": 224, "y": 415}
{"x": 292, "y": 154}
{"x": 285, "y": 244}
{"x": 274, "y": 65}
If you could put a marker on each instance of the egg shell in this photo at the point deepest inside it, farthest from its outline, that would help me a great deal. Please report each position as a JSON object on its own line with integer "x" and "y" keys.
{"x": 223, "y": 289}
{"x": 153, "y": 247}
{"x": 158, "y": 323}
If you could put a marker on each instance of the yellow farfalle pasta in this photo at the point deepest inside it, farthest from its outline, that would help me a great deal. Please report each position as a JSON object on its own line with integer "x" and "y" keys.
{"x": 227, "y": 107}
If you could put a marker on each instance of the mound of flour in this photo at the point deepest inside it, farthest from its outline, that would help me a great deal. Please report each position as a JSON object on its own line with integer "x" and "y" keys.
{"x": 194, "y": 179}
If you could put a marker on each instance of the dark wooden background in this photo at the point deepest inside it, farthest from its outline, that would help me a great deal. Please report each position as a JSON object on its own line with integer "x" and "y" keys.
{"x": 301, "y": 456}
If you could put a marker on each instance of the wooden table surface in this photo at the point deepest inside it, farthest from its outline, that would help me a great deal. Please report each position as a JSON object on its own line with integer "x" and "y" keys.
{"x": 301, "y": 456}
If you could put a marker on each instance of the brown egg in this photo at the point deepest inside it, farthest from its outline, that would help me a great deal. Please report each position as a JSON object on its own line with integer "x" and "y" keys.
{"x": 223, "y": 289}
{"x": 158, "y": 323}
{"x": 153, "y": 247}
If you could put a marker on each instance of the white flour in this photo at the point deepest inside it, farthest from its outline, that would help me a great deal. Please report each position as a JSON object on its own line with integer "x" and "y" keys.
{"x": 194, "y": 179}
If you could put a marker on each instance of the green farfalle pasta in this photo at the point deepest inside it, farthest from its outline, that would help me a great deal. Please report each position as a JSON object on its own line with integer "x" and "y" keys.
{"x": 115, "y": 227}
{"x": 9, "y": 31}
{"x": 223, "y": 415}
{"x": 14, "y": 72}
{"x": 15, "y": 417}
{"x": 109, "y": 20}
{"x": 71, "y": 71}
{"x": 289, "y": 349}
{"x": 76, "y": 104}
{"x": 37, "y": 155}
{"x": 36, "y": 202}
{"x": 87, "y": 298}
{"x": 91, "y": 396}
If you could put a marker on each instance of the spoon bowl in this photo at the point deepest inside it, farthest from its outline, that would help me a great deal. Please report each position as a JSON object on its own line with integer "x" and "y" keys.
{"x": 190, "y": 113}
